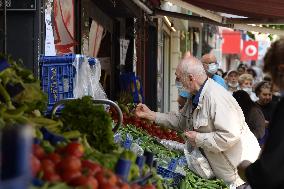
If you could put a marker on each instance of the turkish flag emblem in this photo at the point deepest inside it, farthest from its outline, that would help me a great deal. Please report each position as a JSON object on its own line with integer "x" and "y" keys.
{"x": 250, "y": 50}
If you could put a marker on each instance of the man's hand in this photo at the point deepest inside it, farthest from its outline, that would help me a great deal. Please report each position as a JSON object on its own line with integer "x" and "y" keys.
{"x": 191, "y": 135}
{"x": 143, "y": 111}
{"x": 242, "y": 168}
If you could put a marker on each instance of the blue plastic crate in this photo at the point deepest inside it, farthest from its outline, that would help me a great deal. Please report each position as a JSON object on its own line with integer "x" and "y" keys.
{"x": 21, "y": 182}
{"x": 142, "y": 180}
{"x": 57, "y": 77}
{"x": 168, "y": 174}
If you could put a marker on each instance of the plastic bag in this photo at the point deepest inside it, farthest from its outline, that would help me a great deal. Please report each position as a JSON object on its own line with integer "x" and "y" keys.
{"x": 137, "y": 149}
{"x": 173, "y": 145}
{"x": 83, "y": 73}
{"x": 95, "y": 88}
{"x": 128, "y": 141}
{"x": 118, "y": 138}
{"x": 87, "y": 79}
{"x": 198, "y": 163}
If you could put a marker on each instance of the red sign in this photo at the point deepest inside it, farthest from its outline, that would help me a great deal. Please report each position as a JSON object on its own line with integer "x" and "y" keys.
{"x": 231, "y": 42}
{"x": 250, "y": 50}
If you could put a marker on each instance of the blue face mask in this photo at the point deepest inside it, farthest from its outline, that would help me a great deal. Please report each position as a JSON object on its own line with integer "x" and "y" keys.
{"x": 184, "y": 93}
{"x": 212, "y": 68}
{"x": 179, "y": 85}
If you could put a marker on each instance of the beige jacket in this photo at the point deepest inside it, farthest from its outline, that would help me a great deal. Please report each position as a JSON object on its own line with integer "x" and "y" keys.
{"x": 223, "y": 133}
{"x": 179, "y": 121}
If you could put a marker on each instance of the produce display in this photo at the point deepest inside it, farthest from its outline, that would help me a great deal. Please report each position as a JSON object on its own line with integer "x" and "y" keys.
{"x": 20, "y": 94}
{"x": 149, "y": 127}
{"x": 78, "y": 149}
{"x": 148, "y": 143}
{"x": 89, "y": 119}
{"x": 66, "y": 165}
{"x": 193, "y": 181}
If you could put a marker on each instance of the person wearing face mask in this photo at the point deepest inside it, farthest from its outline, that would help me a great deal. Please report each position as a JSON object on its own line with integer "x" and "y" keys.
{"x": 179, "y": 121}
{"x": 276, "y": 95}
{"x": 232, "y": 81}
{"x": 254, "y": 76}
{"x": 267, "y": 171}
{"x": 220, "y": 72}
{"x": 245, "y": 83}
{"x": 210, "y": 65}
{"x": 264, "y": 92}
{"x": 242, "y": 68}
{"x": 183, "y": 96}
{"x": 218, "y": 126}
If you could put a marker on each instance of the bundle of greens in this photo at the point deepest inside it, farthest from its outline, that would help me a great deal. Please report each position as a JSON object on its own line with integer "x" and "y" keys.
{"x": 89, "y": 119}
{"x": 20, "y": 93}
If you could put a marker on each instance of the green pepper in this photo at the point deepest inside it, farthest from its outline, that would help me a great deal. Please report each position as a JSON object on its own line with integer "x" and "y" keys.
{"x": 6, "y": 96}
{"x": 38, "y": 134}
{"x": 48, "y": 148}
{"x": 71, "y": 134}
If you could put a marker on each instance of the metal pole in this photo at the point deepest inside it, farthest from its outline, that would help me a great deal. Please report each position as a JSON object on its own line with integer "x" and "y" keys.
{"x": 143, "y": 6}
{"x": 5, "y": 28}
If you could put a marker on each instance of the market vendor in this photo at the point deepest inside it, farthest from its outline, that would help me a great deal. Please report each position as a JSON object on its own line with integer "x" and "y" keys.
{"x": 219, "y": 127}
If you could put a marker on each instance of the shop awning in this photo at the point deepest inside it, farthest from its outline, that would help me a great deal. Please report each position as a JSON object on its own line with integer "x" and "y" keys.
{"x": 273, "y": 9}
{"x": 249, "y": 12}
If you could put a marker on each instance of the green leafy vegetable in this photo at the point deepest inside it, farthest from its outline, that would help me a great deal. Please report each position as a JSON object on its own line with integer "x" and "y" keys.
{"x": 89, "y": 119}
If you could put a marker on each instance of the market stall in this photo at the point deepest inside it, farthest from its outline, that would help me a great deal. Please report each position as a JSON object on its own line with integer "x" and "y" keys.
{"x": 85, "y": 143}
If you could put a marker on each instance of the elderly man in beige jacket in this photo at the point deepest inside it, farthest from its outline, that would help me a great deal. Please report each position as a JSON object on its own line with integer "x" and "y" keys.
{"x": 219, "y": 126}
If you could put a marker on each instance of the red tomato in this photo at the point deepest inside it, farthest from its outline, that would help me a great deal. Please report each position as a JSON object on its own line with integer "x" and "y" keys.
{"x": 123, "y": 186}
{"x": 38, "y": 151}
{"x": 85, "y": 182}
{"x": 48, "y": 166}
{"x": 69, "y": 163}
{"x": 91, "y": 167}
{"x": 67, "y": 176}
{"x": 51, "y": 177}
{"x": 149, "y": 186}
{"x": 106, "y": 176}
{"x": 54, "y": 157}
{"x": 74, "y": 149}
{"x": 108, "y": 185}
{"x": 159, "y": 132}
{"x": 60, "y": 150}
{"x": 35, "y": 165}
{"x": 135, "y": 186}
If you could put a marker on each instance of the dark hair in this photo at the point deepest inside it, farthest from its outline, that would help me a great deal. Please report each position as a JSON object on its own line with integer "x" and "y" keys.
{"x": 274, "y": 58}
{"x": 245, "y": 102}
{"x": 262, "y": 85}
{"x": 253, "y": 72}
{"x": 242, "y": 65}
{"x": 224, "y": 74}
{"x": 220, "y": 70}
{"x": 267, "y": 78}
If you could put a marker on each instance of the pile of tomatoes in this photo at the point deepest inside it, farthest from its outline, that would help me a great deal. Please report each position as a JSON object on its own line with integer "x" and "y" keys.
{"x": 66, "y": 164}
{"x": 152, "y": 129}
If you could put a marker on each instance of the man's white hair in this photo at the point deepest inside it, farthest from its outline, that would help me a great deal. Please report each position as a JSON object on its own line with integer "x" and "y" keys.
{"x": 193, "y": 66}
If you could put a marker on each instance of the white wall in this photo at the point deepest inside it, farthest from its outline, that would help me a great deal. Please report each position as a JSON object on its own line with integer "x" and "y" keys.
{"x": 175, "y": 59}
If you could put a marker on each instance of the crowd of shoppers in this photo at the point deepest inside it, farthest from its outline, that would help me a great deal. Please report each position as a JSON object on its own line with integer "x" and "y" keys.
{"x": 230, "y": 118}
{"x": 266, "y": 172}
